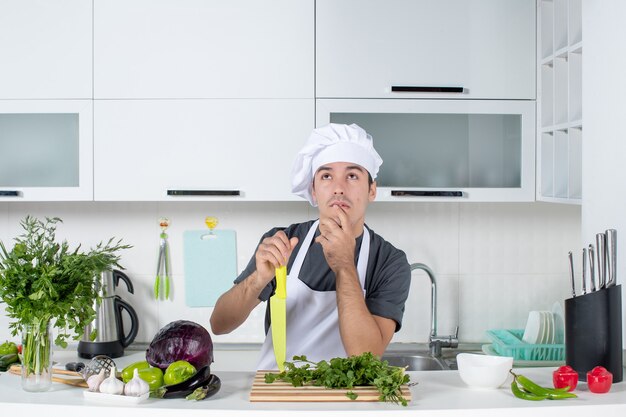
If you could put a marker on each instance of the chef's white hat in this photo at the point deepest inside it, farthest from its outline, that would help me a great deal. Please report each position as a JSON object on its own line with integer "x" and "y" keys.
{"x": 328, "y": 144}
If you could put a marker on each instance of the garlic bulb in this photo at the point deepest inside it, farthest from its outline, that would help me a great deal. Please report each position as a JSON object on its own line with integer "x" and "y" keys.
{"x": 94, "y": 381}
{"x": 136, "y": 387}
{"x": 112, "y": 385}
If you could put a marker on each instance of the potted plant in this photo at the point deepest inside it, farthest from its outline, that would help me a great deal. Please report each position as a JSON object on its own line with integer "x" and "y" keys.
{"x": 44, "y": 285}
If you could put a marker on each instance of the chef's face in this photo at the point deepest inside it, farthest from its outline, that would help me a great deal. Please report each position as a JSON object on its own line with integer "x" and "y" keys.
{"x": 345, "y": 185}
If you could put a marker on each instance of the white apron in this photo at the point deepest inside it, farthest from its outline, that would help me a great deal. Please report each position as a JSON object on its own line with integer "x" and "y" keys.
{"x": 312, "y": 317}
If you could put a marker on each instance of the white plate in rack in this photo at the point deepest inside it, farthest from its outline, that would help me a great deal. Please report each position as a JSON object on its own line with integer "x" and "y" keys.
{"x": 114, "y": 399}
{"x": 534, "y": 328}
{"x": 559, "y": 323}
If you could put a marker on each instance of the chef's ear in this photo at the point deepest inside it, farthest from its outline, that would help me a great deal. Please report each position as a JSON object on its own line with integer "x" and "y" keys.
{"x": 313, "y": 192}
{"x": 372, "y": 191}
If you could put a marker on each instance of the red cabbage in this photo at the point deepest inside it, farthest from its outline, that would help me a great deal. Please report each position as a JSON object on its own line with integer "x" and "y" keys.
{"x": 181, "y": 340}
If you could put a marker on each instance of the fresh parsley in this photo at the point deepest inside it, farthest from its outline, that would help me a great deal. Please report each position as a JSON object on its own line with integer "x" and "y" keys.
{"x": 44, "y": 281}
{"x": 346, "y": 373}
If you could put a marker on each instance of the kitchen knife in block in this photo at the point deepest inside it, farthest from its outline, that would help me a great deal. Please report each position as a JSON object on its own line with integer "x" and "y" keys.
{"x": 278, "y": 314}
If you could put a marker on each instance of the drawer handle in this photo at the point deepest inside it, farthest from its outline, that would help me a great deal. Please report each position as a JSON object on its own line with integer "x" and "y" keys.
{"x": 425, "y": 89}
{"x": 10, "y": 193}
{"x": 413, "y": 193}
{"x": 189, "y": 193}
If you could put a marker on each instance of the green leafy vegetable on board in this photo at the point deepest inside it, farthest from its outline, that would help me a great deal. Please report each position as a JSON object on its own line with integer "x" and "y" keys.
{"x": 359, "y": 370}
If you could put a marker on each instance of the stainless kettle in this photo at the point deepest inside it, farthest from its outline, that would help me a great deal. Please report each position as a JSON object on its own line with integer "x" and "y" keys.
{"x": 110, "y": 337}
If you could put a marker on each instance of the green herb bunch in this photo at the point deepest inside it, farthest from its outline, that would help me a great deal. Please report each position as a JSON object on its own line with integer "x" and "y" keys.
{"x": 42, "y": 281}
{"x": 347, "y": 373}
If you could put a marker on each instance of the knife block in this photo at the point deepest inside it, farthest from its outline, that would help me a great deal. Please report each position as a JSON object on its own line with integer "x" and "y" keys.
{"x": 593, "y": 332}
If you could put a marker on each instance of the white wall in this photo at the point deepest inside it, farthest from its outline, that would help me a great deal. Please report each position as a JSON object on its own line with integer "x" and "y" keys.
{"x": 494, "y": 262}
{"x": 604, "y": 113}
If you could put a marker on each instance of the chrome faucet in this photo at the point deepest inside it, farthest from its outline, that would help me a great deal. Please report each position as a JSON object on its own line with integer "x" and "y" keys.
{"x": 436, "y": 342}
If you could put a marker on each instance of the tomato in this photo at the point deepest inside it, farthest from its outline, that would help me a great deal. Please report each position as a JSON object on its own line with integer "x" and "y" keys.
{"x": 599, "y": 380}
{"x": 178, "y": 372}
{"x": 565, "y": 376}
{"x": 8, "y": 348}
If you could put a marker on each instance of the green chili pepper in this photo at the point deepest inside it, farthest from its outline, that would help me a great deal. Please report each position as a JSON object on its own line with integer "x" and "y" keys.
{"x": 552, "y": 393}
{"x": 533, "y": 391}
{"x": 525, "y": 395}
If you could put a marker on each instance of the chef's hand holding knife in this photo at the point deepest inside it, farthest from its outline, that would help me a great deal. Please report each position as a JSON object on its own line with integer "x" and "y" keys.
{"x": 273, "y": 251}
{"x": 234, "y": 306}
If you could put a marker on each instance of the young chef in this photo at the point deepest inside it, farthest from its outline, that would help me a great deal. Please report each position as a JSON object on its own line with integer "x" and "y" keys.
{"x": 346, "y": 285}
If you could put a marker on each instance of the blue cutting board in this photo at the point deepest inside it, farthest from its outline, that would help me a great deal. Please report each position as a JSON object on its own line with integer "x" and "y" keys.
{"x": 210, "y": 265}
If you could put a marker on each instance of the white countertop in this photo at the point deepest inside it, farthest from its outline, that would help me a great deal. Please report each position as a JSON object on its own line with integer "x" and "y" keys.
{"x": 438, "y": 393}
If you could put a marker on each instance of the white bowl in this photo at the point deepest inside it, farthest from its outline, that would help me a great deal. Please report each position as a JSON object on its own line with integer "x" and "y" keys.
{"x": 483, "y": 371}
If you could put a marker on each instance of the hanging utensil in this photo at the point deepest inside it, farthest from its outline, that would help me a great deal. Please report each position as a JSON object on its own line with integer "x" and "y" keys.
{"x": 592, "y": 269}
{"x": 163, "y": 264}
{"x": 571, "y": 273}
{"x": 611, "y": 252}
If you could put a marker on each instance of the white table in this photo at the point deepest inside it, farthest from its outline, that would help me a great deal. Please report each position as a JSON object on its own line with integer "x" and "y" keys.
{"x": 438, "y": 393}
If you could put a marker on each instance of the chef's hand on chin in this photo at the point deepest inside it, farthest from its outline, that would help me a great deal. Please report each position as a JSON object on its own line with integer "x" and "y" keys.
{"x": 273, "y": 252}
{"x": 337, "y": 240}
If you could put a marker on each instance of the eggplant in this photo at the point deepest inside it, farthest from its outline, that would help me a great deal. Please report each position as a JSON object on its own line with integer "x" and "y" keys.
{"x": 210, "y": 389}
{"x": 182, "y": 389}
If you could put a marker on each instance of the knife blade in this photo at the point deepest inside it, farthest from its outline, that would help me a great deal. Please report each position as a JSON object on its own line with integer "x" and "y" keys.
{"x": 278, "y": 315}
{"x": 592, "y": 269}
{"x": 584, "y": 271}
{"x": 601, "y": 258}
{"x": 571, "y": 273}
{"x": 611, "y": 254}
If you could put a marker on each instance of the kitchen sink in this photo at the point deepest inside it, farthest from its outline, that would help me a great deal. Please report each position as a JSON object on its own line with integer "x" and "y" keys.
{"x": 417, "y": 362}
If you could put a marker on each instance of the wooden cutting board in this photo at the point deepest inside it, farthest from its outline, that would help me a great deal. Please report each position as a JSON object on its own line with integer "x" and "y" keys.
{"x": 78, "y": 381}
{"x": 279, "y": 391}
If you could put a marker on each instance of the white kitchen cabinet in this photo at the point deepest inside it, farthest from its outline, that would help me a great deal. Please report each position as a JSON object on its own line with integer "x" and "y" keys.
{"x": 214, "y": 148}
{"x": 46, "y": 150}
{"x": 484, "y": 47}
{"x": 45, "y": 49}
{"x": 203, "y": 49}
{"x": 559, "y": 126}
{"x": 446, "y": 150}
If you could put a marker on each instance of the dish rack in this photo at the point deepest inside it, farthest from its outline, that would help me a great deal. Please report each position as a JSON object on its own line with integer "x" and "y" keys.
{"x": 508, "y": 342}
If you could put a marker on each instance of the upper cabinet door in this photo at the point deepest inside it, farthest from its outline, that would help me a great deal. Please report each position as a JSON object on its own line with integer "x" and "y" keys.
{"x": 45, "y": 49}
{"x": 186, "y": 150}
{"x": 486, "y": 48}
{"x": 46, "y": 150}
{"x": 203, "y": 49}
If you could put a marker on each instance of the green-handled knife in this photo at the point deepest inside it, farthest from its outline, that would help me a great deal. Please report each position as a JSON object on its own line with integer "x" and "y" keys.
{"x": 278, "y": 314}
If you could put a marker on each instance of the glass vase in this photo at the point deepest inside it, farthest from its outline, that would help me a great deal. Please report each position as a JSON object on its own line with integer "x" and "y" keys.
{"x": 36, "y": 357}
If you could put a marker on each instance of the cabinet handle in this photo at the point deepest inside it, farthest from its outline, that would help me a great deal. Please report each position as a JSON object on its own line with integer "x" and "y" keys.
{"x": 10, "y": 193}
{"x": 187, "y": 193}
{"x": 425, "y": 89}
{"x": 413, "y": 193}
